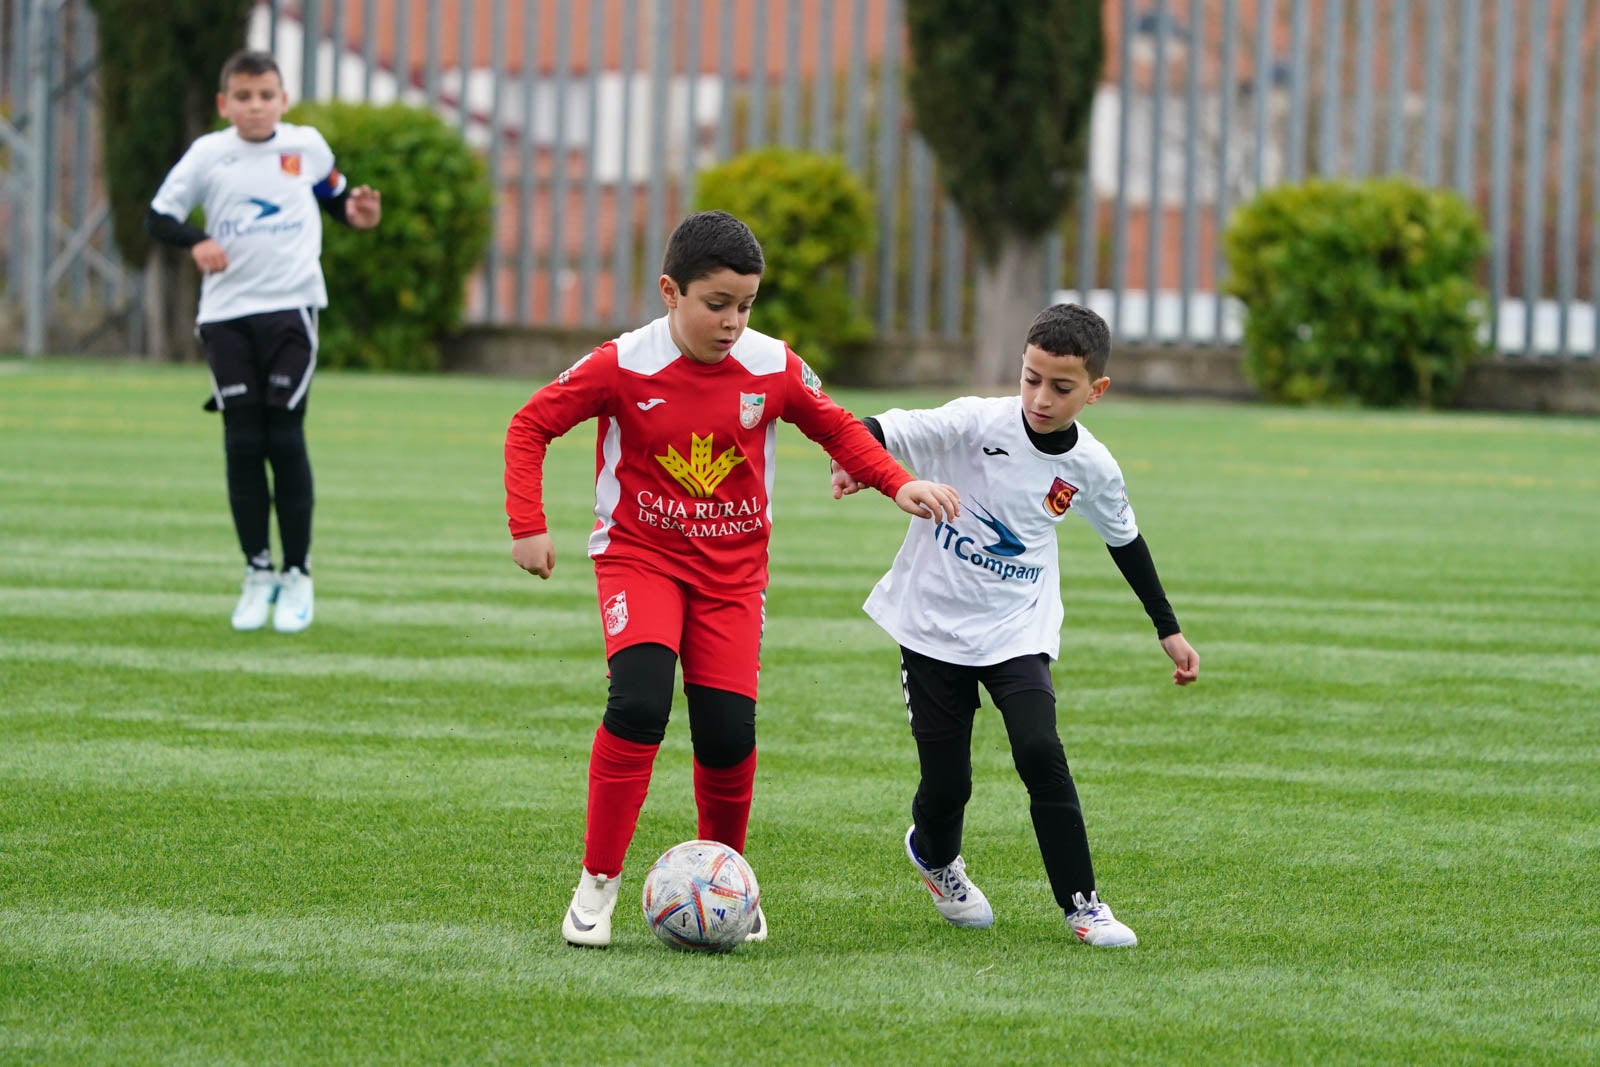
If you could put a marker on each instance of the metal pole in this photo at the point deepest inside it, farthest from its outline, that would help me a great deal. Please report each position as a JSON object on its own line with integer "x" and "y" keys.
{"x": 1328, "y": 163}
{"x": 310, "y": 38}
{"x": 38, "y": 197}
{"x": 1366, "y": 38}
{"x": 1119, "y": 226}
{"x": 1299, "y": 35}
{"x": 1225, "y": 97}
{"x": 1152, "y": 244}
{"x": 1533, "y": 191}
{"x": 1571, "y": 145}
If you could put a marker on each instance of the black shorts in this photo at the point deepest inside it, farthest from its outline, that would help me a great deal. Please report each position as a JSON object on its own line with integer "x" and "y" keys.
{"x": 942, "y": 698}
{"x": 262, "y": 359}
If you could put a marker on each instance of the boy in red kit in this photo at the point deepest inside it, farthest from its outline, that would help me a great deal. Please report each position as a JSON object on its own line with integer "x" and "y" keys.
{"x": 687, "y": 408}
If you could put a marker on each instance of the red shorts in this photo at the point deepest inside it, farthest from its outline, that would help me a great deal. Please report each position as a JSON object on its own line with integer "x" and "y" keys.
{"x": 716, "y": 635}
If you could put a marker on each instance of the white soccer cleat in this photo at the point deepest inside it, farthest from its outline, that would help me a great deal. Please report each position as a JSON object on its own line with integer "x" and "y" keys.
{"x": 588, "y": 919}
{"x": 255, "y": 599}
{"x": 958, "y": 900}
{"x": 1094, "y": 924}
{"x": 758, "y": 932}
{"x": 293, "y": 612}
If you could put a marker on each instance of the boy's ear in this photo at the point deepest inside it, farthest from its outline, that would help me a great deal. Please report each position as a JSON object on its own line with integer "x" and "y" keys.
{"x": 222, "y": 100}
{"x": 1097, "y": 389}
{"x": 669, "y": 291}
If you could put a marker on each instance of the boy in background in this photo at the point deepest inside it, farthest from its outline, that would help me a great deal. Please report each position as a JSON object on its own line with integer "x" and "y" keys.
{"x": 261, "y": 183}
{"x": 979, "y": 602}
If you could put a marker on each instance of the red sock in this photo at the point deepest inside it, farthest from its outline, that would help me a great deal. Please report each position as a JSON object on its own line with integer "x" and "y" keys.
{"x": 722, "y": 796}
{"x": 619, "y": 778}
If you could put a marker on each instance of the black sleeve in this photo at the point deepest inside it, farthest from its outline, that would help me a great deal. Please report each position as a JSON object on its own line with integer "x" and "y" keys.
{"x": 874, "y": 429}
{"x": 1133, "y": 560}
{"x": 171, "y": 231}
{"x": 334, "y": 206}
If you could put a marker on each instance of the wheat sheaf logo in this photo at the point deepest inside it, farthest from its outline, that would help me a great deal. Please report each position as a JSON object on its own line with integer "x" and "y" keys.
{"x": 700, "y": 474}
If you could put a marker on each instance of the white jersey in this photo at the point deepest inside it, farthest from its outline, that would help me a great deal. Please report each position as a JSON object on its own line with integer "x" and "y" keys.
{"x": 987, "y": 588}
{"x": 260, "y": 200}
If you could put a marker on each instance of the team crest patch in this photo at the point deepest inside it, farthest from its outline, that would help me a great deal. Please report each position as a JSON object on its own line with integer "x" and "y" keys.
{"x": 751, "y": 405}
{"x": 290, "y": 163}
{"x": 809, "y": 379}
{"x": 616, "y": 613}
{"x": 1059, "y": 498}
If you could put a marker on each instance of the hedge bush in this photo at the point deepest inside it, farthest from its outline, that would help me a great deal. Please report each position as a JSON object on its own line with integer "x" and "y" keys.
{"x": 395, "y": 291}
{"x": 812, "y": 216}
{"x": 1358, "y": 290}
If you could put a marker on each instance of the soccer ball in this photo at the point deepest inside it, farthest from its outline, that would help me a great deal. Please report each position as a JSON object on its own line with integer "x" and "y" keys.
{"x": 701, "y": 896}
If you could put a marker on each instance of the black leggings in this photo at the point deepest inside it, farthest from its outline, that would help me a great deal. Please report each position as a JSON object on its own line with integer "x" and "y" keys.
{"x": 255, "y": 436}
{"x": 722, "y": 724}
{"x": 942, "y": 700}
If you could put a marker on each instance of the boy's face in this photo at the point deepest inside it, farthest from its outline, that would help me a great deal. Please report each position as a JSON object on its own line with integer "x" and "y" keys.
{"x": 253, "y": 103}
{"x": 1055, "y": 388}
{"x": 708, "y": 315}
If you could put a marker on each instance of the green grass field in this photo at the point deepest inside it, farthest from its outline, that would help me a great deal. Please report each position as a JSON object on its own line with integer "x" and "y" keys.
{"x": 1370, "y": 834}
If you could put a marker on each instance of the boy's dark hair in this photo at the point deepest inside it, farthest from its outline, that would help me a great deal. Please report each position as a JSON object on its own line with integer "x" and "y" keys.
{"x": 248, "y": 62}
{"x": 709, "y": 241}
{"x": 1073, "y": 330}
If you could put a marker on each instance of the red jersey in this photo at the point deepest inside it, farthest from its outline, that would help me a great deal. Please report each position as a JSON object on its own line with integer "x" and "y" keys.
{"x": 684, "y": 461}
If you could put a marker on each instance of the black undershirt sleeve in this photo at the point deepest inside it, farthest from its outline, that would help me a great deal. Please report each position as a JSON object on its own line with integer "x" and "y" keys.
{"x": 171, "y": 231}
{"x": 334, "y": 206}
{"x": 875, "y": 429}
{"x": 1133, "y": 560}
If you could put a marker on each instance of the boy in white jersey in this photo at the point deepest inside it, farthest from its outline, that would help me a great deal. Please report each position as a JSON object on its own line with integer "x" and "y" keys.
{"x": 261, "y": 183}
{"x": 979, "y": 601}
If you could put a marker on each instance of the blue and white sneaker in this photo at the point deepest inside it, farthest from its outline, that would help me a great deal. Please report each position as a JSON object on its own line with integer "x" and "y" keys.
{"x": 295, "y": 603}
{"x": 588, "y": 919}
{"x": 958, "y": 900}
{"x": 1094, "y": 924}
{"x": 256, "y": 595}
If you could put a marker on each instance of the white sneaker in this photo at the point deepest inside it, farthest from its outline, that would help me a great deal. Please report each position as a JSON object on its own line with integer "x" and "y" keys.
{"x": 293, "y": 612}
{"x": 588, "y": 920}
{"x": 1094, "y": 924}
{"x": 957, "y": 899}
{"x": 758, "y": 932}
{"x": 255, "y": 599}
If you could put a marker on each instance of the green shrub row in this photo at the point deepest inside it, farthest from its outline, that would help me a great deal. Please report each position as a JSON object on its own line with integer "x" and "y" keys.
{"x": 395, "y": 291}
{"x": 1358, "y": 291}
{"x": 812, "y": 216}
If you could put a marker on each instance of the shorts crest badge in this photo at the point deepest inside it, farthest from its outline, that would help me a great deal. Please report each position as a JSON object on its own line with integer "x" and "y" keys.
{"x": 616, "y": 613}
{"x": 751, "y": 408}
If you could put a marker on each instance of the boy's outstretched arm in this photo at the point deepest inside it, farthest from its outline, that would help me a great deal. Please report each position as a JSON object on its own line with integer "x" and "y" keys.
{"x": 1133, "y": 560}
{"x": 844, "y": 483}
{"x": 932, "y": 499}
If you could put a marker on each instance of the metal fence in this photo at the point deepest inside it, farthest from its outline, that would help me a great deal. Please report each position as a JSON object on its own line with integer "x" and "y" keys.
{"x": 595, "y": 116}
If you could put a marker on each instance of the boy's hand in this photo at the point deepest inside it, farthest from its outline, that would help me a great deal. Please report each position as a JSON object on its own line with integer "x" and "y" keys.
{"x": 364, "y": 209}
{"x": 843, "y": 484}
{"x": 929, "y": 500}
{"x": 209, "y": 256}
{"x": 1183, "y": 656}
{"x": 536, "y": 554}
